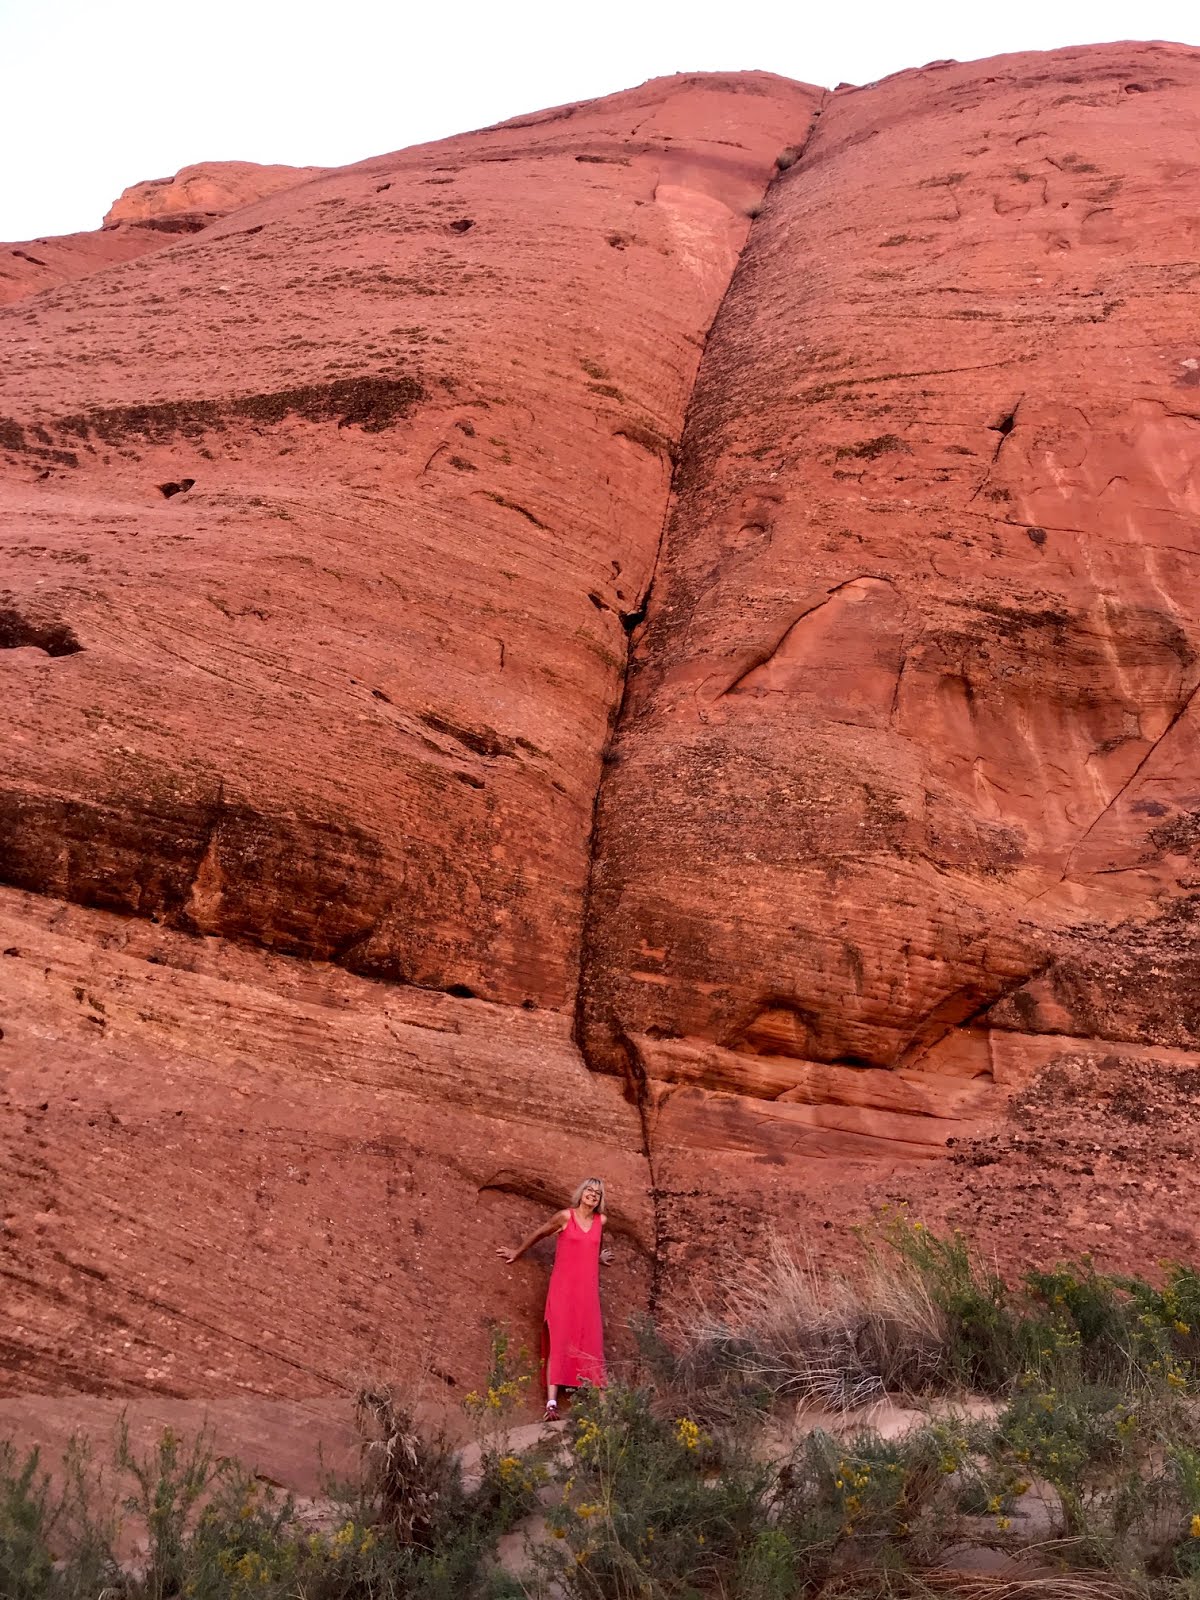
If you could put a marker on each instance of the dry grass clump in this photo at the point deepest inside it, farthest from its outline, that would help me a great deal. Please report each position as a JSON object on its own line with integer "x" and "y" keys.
{"x": 790, "y": 1329}
{"x": 951, "y": 1585}
{"x": 414, "y": 1472}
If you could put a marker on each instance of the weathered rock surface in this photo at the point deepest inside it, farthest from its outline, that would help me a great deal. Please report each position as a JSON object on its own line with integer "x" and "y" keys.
{"x": 243, "y": 1172}
{"x": 342, "y": 541}
{"x": 207, "y": 189}
{"x": 36, "y": 264}
{"x": 909, "y": 751}
{"x": 339, "y": 846}
{"x": 324, "y": 529}
{"x": 147, "y": 217}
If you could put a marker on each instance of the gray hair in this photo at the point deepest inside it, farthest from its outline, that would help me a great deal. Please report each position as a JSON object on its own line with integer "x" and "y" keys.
{"x": 589, "y": 1183}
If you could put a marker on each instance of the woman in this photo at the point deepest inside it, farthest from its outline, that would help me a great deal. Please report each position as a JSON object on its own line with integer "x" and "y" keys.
{"x": 572, "y": 1331}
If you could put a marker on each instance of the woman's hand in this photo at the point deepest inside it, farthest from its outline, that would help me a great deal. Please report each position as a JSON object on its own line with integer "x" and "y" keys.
{"x": 607, "y": 1257}
{"x": 506, "y": 1254}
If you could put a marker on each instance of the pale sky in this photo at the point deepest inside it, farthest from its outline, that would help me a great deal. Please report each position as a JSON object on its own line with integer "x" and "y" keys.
{"x": 98, "y": 94}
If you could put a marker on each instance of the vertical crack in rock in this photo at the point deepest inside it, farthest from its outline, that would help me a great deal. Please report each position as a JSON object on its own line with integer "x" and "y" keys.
{"x": 632, "y": 1068}
{"x": 1181, "y": 712}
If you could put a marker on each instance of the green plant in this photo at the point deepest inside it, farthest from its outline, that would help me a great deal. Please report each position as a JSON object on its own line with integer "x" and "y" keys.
{"x": 168, "y": 1484}
{"x": 26, "y": 1562}
{"x": 650, "y": 1506}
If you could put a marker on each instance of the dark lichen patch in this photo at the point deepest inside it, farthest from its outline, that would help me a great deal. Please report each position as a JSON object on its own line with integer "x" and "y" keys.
{"x": 1178, "y": 837}
{"x": 20, "y": 631}
{"x": 371, "y": 402}
{"x": 604, "y": 161}
{"x": 649, "y": 439}
{"x": 870, "y": 449}
{"x": 480, "y": 741}
{"x": 15, "y": 439}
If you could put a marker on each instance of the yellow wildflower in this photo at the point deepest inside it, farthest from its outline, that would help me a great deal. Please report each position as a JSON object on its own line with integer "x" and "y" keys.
{"x": 687, "y": 1433}
{"x": 1196, "y": 1526}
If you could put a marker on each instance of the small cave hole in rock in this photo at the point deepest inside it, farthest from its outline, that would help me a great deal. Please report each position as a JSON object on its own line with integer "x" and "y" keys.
{"x": 182, "y": 487}
{"x": 1006, "y": 423}
{"x": 379, "y": 695}
{"x": 19, "y": 632}
{"x": 597, "y": 602}
{"x": 462, "y": 225}
{"x": 1135, "y": 88}
{"x": 1038, "y": 535}
{"x": 460, "y": 991}
{"x": 380, "y": 188}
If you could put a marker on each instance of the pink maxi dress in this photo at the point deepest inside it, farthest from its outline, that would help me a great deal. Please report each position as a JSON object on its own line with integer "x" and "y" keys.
{"x": 572, "y": 1330}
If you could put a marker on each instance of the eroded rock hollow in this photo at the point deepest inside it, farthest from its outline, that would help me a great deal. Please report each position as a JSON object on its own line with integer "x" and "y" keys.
{"x": 659, "y": 637}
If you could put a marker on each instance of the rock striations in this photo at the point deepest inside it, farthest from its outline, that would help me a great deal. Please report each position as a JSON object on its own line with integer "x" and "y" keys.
{"x": 144, "y": 219}
{"x": 469, "y": 723}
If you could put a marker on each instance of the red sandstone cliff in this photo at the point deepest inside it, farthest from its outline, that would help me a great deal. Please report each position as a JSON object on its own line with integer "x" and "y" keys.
{"x": 326, "y": 530}
{"x": 146, "y": 217}
{"x": 357, "y": 896}
{"x": 904, "y": 799}
{"x": 210, "y": 188}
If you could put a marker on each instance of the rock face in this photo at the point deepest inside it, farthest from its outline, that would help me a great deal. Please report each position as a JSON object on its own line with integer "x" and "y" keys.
{"x": 333, "y": 532}
{"x": 314, "y": 628}
{"x": 904, "y": 801}
{"x": 36, "y": 264}
{"x": 208, "y": 189}
{"x": 145, "y": 218}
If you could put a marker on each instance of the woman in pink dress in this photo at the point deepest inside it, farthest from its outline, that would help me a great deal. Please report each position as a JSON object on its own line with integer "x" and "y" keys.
{"x": 572, "y": 1330}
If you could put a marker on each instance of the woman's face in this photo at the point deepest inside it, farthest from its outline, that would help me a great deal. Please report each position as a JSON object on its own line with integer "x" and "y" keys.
{"x": 590, "y": 1197}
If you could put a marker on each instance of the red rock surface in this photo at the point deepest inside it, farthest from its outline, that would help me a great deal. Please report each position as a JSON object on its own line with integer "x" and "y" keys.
{"x": 242, "y": 1172}
{"x": 329, "y": 531}
{"x": 36, "y": 264}
{"x": 322, "y": 527}
{"x": 427, "y": 474}
{"x": 209, "y": 188}
{"x": 145, "y": 218}
{"x": 904, "y": 800}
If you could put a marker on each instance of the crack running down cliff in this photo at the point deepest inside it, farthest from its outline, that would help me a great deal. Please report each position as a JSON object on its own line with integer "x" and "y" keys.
{"x": 621, "y": 1051}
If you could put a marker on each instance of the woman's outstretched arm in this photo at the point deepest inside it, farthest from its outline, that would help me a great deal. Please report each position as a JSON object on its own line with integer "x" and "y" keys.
{"x": 555, "y": 1225}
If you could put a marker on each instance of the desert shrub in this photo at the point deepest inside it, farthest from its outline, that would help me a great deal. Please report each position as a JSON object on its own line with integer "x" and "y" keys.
{"x": 788, "y": 1330}
{"x": 510, "y": 1480}
{"x": 167, "y": 1484}
{"x": 985, "y": 1341}
{"x": 413, "y": 1471}
{"x": 922, "y": 1314}
{"x": 650, "y": 1507}
{"x": 55, "y": 1543}
{"x": 26, "y": 1562}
